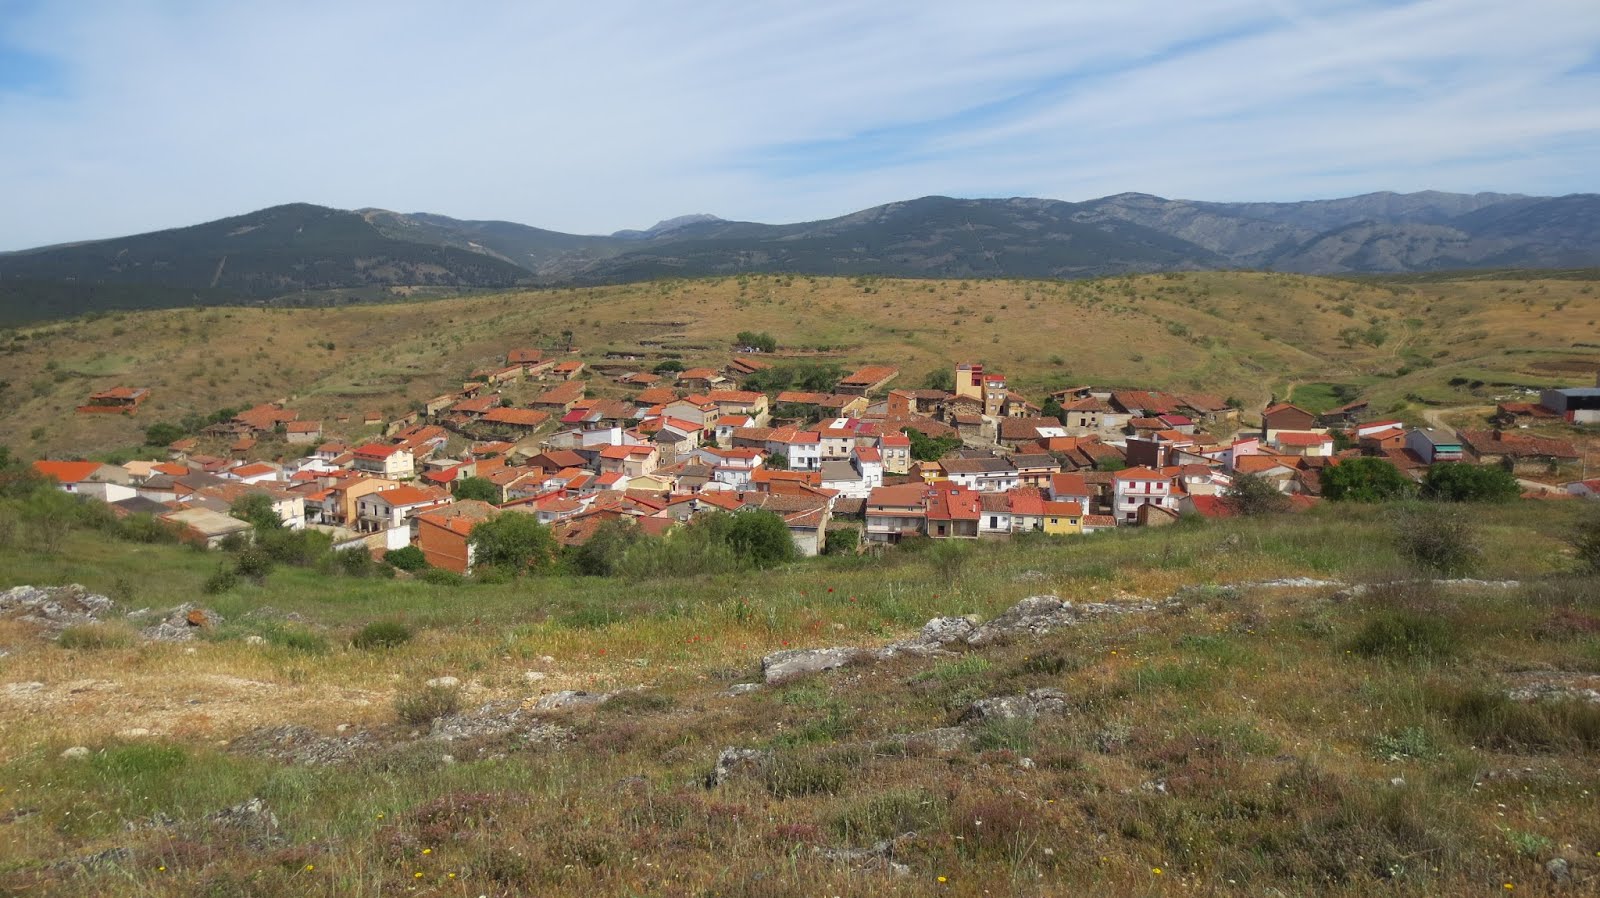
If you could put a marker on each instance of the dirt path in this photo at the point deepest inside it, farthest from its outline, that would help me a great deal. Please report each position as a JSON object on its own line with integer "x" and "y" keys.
{"x": 1435, "y": 416}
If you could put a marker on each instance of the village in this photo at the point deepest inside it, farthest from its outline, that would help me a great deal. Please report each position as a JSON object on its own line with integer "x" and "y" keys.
{"x": 866, "y": 460}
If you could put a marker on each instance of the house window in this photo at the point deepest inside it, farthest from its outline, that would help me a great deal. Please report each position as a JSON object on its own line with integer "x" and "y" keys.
{"x": 994, "y": 522}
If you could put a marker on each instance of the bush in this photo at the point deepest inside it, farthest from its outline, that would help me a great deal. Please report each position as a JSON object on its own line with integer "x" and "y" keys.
{"x": 382, "y": 634}
{"x": 1585, "y": 542}
{"x": 842, "y": 542}
{"x": 1365, "y": 480}
{"x": 1407, "y": 635}
{"x": 356, "y": 562}
{"x": 515, "y": 541}
{"x": 1488, "y": 718}
{"x": 427, "y": 704}
{"x": 221, "y": 580}
{"x": 602, "y": 554}
{"x": 1459, "y": 482}
{"x": 1438, "y": 539}
{"x": 478, "y": 488}
{"x": 438, "y": 576}
{"x": 253, "y": 562}
{"x": 298, "y": 548}
{"x": 297, "y": 639}
{"x": 409, "y": 558}
{"x": 145, "y": 528}
{"x": 1251, "y": 495}
{"x": 95, "y": 636}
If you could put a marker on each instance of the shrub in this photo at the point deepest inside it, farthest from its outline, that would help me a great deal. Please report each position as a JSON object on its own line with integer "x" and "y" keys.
{"x": 427, "y": 704}
{"x": 1458, "y": 482}
{"x": 356, "y": 562}
{"x": 478, "y": 488}
{"x": 438, "y": 576}
{"x": 1488, "y": 718}
{"x": 842, "y": 542}
{"x": 145, "y": 528}
{"x": 515, "y": 541}
{"x": 1585, "y": 542}
{"x": 1251, "y": 494}
{"x": 298, "y": 639}
{"x": 1365, "y": 480}
{"x": 95, "y": 636}
{"x": 409, "y": 558}
{"x": 1438, "y": 539}
{"x": 382, "y": 634}
{"x": 790, "y": 775}
{"x": 221, "y": 580}
{"x": 1407, "y": 635}
{"x": 253, "y": 562}
{"x": 601, "y": 555}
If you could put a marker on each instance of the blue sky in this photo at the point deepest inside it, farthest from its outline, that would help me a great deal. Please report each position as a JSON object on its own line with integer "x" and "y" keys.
{"x": 120, "y": 116}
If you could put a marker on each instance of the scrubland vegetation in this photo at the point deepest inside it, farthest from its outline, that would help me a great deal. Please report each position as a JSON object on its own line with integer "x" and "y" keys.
{"x": 1404, "y": 738}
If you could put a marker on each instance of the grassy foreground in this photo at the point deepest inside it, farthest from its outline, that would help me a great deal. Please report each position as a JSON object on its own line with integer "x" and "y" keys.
{"x": 1237, "y": 741}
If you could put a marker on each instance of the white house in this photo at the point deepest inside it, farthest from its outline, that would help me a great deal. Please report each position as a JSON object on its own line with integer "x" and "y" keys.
{"x": 1144, "y": 486}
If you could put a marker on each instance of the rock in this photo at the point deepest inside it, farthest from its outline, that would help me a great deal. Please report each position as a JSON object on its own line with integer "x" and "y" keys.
{"x": 179, "y": 624}
{"x": 252, "y": 817}
{"x": 741, "y": 689}
{"x": 938, "y": 741}
{"x": 1397, "y": 782}
{"x": 1038, "y": 615}
{"x": 253, "y": 639}
{"x": 133, "y": 733}
{"x": 501, "y": 718}
{"x": 1154, "y": 787}
{"x": 296, "y": 744}
{"x": 1016, "y": 707}
{"x": 878, "y": 858}
{"x": 533, "y": 676}
{"x": 780, "y": 666}
{"x": 75, "y": 753}
{"x": 54, "y": 608}
{"x": 568, "y": 699}
{"x": 935, "y": 635}
{"x": 1027, "y": 763}
{"x": 1558, "y": 869}
{"x": 18, "y": 690}
{"x": 735, "y": 763}
{"x": 443, "y": 683}
{"x": 97, "y": 861}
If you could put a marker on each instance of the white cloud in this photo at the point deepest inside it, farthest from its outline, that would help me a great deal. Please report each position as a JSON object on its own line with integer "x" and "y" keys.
{"x": 614, "y": 114}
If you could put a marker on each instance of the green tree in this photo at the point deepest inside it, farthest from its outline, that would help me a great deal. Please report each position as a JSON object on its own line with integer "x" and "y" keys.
{"x": 1585, "y": 541}
{"x": 1251, "y": 494}
{"x": 670, "y": 366}
{"x": 1365, "y": 480}
{"x": 777, "y": 461}
{"x": 926, "y": 448}
{"x": 514, "y": 541}
{"x": 602, "y": 554}
{"x": 940, "y": 379}
{"x": 762, "y": 342}
{"x": 162, "y": 434}
{"x": 407, "y": 558}
{"x": 478, "y": 488}
{"x": 257, "y": 510}
{"x": 566, "y": 337}
{"x": 761, "y": 538}
{"x": 1458, "y": 482}
{"x": 1053, "y": 409}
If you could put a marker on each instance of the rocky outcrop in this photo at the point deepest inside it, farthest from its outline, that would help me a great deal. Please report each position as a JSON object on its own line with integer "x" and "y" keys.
{"x": 1038, "y": 615}
{"x": 739, "y": 763}
{"x": 1016, "y": 707}
{"x": 784, "y": 665}
{"x": 54, "y": 608}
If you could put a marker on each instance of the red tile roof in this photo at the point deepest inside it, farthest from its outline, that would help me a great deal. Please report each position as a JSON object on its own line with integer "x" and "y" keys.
{"x": 67, "y": 471}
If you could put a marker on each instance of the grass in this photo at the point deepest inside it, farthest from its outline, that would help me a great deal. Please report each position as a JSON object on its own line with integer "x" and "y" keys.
{"x": 1236, "y": 735}
{"x": 1224, "y": 332}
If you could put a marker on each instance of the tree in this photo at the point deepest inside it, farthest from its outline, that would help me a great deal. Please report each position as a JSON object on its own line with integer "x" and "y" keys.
{"x": 1585, "y": 541}
{"x": 842, "y": 542}
{"x": 162, "y": 434}
{"x": 1365, "y": 480}
{"x": 777, "y": 461}
{"x": 1053, "y": 409}
{"x": 940, "y": 379}
{"x": 926, "y": 448}
{"x": 602, "y": 554}
{"x": 1438, "y": 538}
{"x": 407, "y": 558}
{"x": 1252, "y": 494}
{"x": 760, "y": 538}
{"x": 762, "y": 342}
{"x": 257, "y": 510}
{"x": 566, "y": 337}
{"x": 478, "y": 488}
{"x": 514, "y": 541}
{"x": 670, "y": 366}
{"x": 1458, "y": 482}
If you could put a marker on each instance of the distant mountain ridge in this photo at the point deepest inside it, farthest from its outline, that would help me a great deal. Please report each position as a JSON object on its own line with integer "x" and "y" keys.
{"x": 303, "y": 250}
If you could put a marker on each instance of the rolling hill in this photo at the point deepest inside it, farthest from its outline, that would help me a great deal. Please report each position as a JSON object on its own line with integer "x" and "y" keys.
{"x": 304, "y": 254}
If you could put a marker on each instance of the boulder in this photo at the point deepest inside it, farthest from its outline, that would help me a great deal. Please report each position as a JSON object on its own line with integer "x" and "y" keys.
{"x": 783, "y": 665}
{"x": 938, "y": 741}
{"x": 735, "y": 763}
{"x": 1033, "y": 616}
{"x": 568, "y": 699}
{"x": 1016, "y": 707}
{"x": 75, "y": 753}
{"x": 443, "y": 683}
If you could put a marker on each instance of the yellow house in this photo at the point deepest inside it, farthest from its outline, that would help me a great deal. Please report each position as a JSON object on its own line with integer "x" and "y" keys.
{"x": 1063, "y": 517}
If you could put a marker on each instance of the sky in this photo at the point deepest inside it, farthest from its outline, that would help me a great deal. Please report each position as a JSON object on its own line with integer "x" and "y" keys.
{"x": 119, "y": 116}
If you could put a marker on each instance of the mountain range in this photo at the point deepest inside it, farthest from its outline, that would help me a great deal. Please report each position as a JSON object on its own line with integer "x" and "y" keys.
{"x": 306, "y": 253}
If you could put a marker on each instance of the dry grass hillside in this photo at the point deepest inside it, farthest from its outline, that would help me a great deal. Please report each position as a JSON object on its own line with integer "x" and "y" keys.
{"x": 1244, "y": 334}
